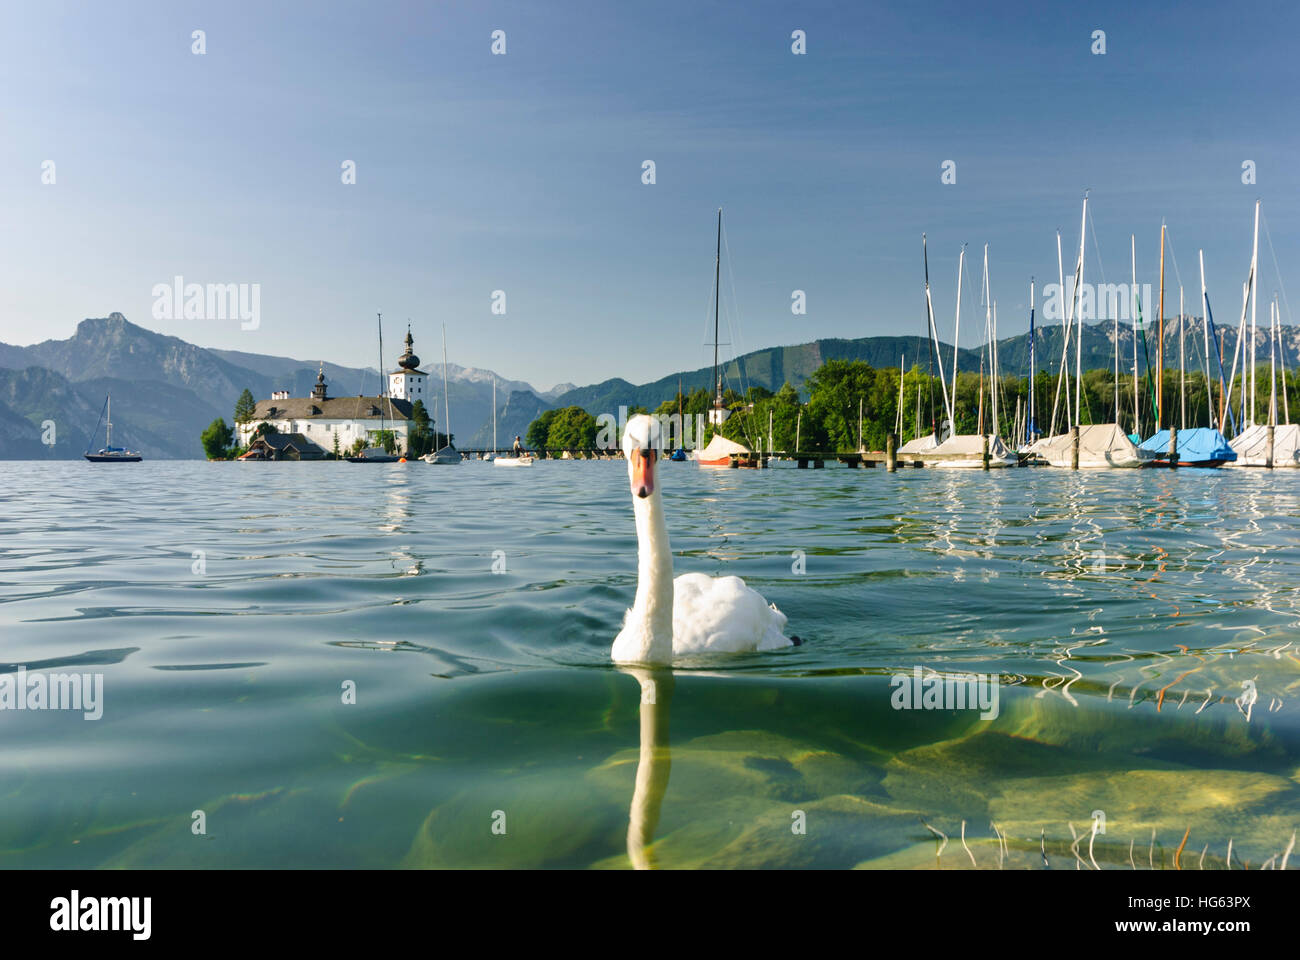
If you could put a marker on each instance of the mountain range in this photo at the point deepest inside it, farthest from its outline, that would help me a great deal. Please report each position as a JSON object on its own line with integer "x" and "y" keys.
{"x": 166, "y": 391}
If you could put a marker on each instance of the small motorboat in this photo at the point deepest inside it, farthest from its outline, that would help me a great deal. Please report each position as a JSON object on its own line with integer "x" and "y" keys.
{"x": 524, "y": 461}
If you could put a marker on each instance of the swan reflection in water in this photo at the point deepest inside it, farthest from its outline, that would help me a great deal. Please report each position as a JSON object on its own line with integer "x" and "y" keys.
{"x": 654, "y": 765}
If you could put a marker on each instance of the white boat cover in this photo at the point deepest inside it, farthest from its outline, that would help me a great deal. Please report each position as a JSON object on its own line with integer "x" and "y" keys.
{"x": 720, "y": 447}
{"x": 1100, "y": 445}
{"x": 919, "y": 445}
{"x": 967, "y": 450}
{"x": 1251, "y": 446}
{"x": 447, "y": 454}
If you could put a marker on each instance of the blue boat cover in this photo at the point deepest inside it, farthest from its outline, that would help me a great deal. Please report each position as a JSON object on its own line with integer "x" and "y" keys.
{"x": 1195, "y": 445}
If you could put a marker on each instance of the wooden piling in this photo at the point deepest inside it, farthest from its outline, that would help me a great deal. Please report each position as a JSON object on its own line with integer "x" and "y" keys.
{"x": 1074, "y": 448}
{"x": 1173, "y": 448}
{"x": 891, "y": 452}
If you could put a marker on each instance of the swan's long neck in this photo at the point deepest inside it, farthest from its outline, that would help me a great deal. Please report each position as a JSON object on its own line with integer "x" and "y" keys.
{"x": 654, "y": 589}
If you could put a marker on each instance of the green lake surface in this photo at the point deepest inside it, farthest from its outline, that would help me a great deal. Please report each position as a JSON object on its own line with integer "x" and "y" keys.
{"x": 1143, "y": 628}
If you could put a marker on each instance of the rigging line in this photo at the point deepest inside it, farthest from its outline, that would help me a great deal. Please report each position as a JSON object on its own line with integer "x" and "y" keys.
{"x": 97, "y": 423}
{"x": 1276, "y": 269}
{"x": 733, "y": 328}
{"x": 1092, "y": 223}
{"x": 733, "y": 331}
{"x": 1101, "y": 268}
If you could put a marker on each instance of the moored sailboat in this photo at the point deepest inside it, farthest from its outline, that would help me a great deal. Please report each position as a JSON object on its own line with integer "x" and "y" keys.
{"x": 378, "y": 454}
{"x": 1187, "y": 446}
{"x": 1101, "y": 444}
{"x": 109, "y": 453}
{"x": 1262, "y": 445}
{"x": 982, "y": 448}
{"x": 448, "y": 455}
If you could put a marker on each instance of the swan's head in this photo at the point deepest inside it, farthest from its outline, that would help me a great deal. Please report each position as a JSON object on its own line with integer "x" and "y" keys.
{"x": 641, "y": 445}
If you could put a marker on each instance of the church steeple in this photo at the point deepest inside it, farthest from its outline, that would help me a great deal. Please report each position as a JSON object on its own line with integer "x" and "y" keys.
{"x": 318, "y": 392}
{"x": 408, "y": 360}
{"x": 407, "y": 381}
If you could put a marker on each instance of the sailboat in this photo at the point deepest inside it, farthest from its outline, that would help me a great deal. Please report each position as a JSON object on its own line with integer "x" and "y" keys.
{"x": 449, "y": 455}
{"x": 1100, "y": 444}
{"x": 110, "y": 453}
{"x": 967, "y": 450}
{"x": 491, "y": 455}
{"x": 1273, "y": 444}
{"x": 774, "y": 461}
{"x": 720, "y": 450}
{"x": 924, "y": 444}
{"x": 521, "y": 461}
{"x": 1196, "y": 446}
{"x": 378, "y": 454}
{"x": 679, "y": 455}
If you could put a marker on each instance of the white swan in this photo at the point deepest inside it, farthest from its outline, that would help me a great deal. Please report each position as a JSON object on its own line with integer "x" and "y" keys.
{"x": 694, "y": 613}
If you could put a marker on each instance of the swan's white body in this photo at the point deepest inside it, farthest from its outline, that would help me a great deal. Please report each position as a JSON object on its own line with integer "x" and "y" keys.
{"x": 694, "y": 613}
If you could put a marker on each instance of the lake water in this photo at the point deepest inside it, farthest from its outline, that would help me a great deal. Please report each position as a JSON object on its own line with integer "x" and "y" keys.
{"x": 1143, "y": 627}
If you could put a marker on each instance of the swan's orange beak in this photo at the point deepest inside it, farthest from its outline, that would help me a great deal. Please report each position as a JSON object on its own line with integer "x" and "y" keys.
{"x": 643, "y": 473}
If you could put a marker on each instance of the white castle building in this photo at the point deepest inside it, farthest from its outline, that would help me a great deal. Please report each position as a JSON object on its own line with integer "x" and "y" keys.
{"x": 321, "y": 418}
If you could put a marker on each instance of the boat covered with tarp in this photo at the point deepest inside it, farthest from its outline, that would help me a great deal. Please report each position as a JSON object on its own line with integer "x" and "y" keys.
{"x": 967, "y": 450}
{"x": 1197, "y": 447}
{"x": 920, "y": 445}
{"x": 1251, "y": 446}
{"x": 1100, "y": 445}
{"x": 719, "y": 452}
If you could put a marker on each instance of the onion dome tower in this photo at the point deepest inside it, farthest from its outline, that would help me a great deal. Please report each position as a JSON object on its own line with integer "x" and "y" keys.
{"x": 408, "y": 381}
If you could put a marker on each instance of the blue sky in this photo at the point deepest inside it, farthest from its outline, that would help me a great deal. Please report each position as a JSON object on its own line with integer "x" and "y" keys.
{"x": 522, "y": 172}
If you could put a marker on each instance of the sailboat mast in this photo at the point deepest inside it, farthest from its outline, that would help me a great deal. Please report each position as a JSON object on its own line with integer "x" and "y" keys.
{"x": 1029, "y": 433}
{"x": 1286, "y": 406}
{"x": 446, "y": 400}
{"x": 494, "y": 414}
{"x": 108, "y": 436}
{"x": 1254, "y": 296}
{"x": 988, "y": 348}
{"x": 1065, "y": 341}
{"x": 681, "y": 425}
{"x": 1205, "y": 327}
{"x": 1078, "y": 346}
{"x": 997, "y": 374}
{"x": 383, "y": 380}
{"x": 934, "y": 346}
{"x": 1272, "y": 362}
{"x": 1160, "y": 350}
{"x": 1117, "y": 366}
{"x": 1182, "y": 365}
{"x": 1135, "y": 305}
{"x": 956, "y": 333}
{"x": 898, "y": 428}
{"x": 717, "y": 297}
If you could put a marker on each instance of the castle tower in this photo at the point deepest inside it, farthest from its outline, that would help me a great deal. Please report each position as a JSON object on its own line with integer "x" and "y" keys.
{"x": 408, "y": 382}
